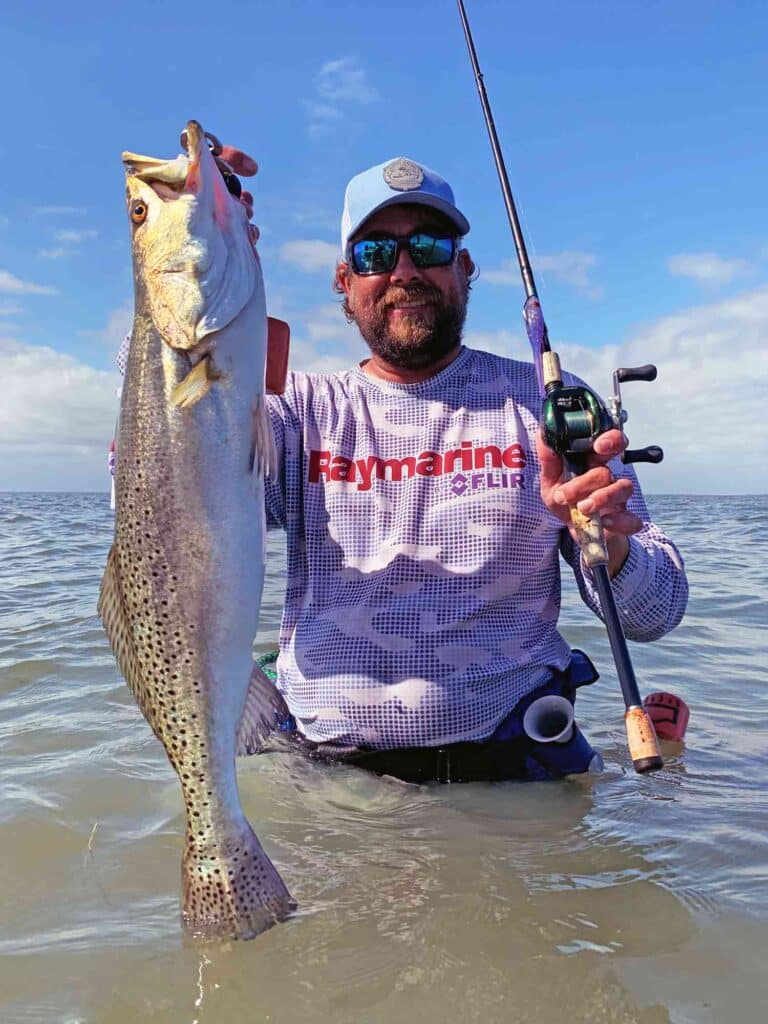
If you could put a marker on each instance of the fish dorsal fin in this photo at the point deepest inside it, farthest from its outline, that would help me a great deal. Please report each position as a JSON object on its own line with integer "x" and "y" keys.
{"x": 111, "y": 608}
{"x": 264, "y": 708}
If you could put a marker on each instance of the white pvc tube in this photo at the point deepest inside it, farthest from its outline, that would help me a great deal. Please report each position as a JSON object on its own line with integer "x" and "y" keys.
{"x": 549, "y": 720}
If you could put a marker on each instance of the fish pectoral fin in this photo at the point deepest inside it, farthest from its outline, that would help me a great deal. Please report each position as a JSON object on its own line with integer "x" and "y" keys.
{"x": 264, "y": 710}
{"x": 196, "y": 384}
{"x": 263, "y": 456}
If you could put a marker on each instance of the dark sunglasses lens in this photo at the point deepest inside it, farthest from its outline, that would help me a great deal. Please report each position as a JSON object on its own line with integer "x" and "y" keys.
{"x": 428, "y": 251}
{"x": 374, "y": 256}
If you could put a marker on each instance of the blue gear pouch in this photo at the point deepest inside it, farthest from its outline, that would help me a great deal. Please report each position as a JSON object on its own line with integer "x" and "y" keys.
{"x": 548, "y": 760}
{"x": 574, "y": 757}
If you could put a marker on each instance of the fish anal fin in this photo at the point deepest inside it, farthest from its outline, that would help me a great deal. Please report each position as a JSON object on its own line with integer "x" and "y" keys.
{"x": 264, "y": 708}
{"x": 196, "y": 384}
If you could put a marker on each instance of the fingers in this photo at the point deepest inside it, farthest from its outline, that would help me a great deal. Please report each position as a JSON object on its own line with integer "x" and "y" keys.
{"x": 247, "y": 200}
{"x": 595, "y": 491}
{"x": 607, "y": 446}
{"x": 240, "y": 162}
{"x": 550, "y": 462}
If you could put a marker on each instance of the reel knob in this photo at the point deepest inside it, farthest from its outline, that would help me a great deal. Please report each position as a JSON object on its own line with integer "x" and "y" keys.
{"x": 629, "y": 373}
{"x": 652, "y": 453}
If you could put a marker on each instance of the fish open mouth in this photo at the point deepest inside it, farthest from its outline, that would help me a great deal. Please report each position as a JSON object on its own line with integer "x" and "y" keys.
{"x": 170, "y": 179}
{"x": 167, "y": 178}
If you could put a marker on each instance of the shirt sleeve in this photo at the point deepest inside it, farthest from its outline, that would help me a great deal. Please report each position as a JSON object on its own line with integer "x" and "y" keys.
{"x": 274, "y": 485}
{"x": 651, "y": 588}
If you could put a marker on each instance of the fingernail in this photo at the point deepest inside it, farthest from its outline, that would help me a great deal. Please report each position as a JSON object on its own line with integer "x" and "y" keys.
{"x": 559, "y": 497}
{"x": 586, "y": 506}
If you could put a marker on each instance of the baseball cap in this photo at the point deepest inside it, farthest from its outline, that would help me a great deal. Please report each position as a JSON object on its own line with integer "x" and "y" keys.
{"x": 396, "y": 181}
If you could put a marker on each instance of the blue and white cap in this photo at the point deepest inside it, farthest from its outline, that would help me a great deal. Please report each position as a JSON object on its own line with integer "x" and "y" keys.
{"x": 396, "y": 181}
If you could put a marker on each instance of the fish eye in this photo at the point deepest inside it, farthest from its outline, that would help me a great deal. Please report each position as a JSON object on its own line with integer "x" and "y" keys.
{"x": 139, "y": 211}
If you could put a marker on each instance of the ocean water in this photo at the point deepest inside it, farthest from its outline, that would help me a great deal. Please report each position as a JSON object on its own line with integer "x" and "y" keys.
{"x": 616, "y": 898}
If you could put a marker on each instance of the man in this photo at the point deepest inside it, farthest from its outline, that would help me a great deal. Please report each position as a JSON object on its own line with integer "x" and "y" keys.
{"x": 425, "y": 520}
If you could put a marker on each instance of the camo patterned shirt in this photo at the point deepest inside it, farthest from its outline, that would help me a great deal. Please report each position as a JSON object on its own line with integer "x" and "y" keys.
{"x": 423, "y": 575}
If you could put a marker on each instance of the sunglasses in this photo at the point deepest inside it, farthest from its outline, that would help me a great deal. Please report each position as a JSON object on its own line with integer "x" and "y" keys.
{"x": 380, "y": 255}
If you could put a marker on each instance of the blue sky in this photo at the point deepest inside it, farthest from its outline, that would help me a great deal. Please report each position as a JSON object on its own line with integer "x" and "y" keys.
{"x": 633, "y": 134}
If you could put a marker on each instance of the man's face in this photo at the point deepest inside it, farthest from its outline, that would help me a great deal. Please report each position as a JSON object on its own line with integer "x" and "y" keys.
{"x": 410, "y": 317}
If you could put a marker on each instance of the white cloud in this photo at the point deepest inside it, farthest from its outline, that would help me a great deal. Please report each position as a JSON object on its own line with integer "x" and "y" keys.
{"x": 344, "y": 81}
{"x": 76, "y": 236}
{"x": 511, "y": 344}
{"x": 119, "y": 323}
{"x": 322, "y": 341}
{"x": 59, "y": 253}
{"x": 327, "y": 323}
{"x": 707, "y": 406}
{"x": 10, "y": 309}
{"x": 311, "y": 255}
{"x": 707, "y": 268}
{"x": 11, "y": 285}
{"x": 339, "y": 85}
{"x": 508, "y": 273}
{"x": 63, "y": 211}
{"x": 307, "y": 357}
{"x": 53, "y": 402}
{"x": 571, "y": 267}
{"x": 323, "y": 113}
{"x": 316, "y": 216}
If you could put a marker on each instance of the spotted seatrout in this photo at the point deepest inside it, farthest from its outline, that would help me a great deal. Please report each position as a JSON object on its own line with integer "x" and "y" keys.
{"x": 182, "y": 587}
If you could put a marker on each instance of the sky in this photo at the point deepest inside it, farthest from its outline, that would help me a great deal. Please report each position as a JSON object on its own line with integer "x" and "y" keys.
{"x": 633, "y": 133}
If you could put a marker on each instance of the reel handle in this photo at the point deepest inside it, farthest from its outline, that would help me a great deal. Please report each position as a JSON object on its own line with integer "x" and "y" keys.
{"x": 629, "y": 373}
{"x": 651, "y": 453}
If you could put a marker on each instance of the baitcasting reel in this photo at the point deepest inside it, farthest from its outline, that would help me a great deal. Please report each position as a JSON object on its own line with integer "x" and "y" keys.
{"x": 572, "y": 417}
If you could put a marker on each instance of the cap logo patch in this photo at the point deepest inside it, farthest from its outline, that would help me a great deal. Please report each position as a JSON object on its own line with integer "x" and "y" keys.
{"x": 403, "y": 175}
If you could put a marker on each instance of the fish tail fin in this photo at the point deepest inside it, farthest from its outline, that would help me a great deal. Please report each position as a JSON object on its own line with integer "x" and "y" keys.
{"x": 232, "y": 890}
{"x": 264, "y": 710}
{"x": 263, "y": 457}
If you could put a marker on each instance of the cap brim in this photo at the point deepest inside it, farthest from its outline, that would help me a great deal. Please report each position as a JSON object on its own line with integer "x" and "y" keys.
{"x": 457, "y": 218}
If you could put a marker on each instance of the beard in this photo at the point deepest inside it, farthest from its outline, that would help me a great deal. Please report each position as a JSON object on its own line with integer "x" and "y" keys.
{"x": 415, "y": 342}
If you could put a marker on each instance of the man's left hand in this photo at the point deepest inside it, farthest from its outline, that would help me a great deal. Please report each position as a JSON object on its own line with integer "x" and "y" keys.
{"x": 594, "y": 492}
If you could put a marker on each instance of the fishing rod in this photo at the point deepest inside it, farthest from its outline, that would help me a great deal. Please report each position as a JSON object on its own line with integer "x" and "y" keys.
{"x": 572, "y": 417}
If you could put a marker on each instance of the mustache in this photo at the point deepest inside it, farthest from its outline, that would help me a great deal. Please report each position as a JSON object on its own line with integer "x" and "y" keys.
{"x": 417, "y": 292}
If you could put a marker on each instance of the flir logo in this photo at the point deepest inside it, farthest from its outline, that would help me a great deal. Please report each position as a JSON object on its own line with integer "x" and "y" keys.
{"x": 464, "y": 483}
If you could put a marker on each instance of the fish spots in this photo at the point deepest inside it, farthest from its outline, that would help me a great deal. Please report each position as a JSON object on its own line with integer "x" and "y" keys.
{"x": 230, "y": 887}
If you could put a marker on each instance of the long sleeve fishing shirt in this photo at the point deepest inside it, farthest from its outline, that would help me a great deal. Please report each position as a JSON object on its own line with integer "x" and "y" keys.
{"x": 423, "y": 575}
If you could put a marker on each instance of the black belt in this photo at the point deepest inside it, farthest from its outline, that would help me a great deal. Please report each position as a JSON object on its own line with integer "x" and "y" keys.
{"x": 492, "y": 760}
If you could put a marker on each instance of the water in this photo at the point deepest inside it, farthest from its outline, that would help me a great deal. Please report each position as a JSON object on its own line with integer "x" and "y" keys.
{"x": 620, "y": 898}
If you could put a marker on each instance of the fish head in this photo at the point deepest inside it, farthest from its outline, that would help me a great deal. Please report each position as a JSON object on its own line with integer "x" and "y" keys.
{"x": 194, "y": 263}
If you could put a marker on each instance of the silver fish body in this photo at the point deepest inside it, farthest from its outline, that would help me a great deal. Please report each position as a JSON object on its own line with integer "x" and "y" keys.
{"x": 182, "y": 589}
